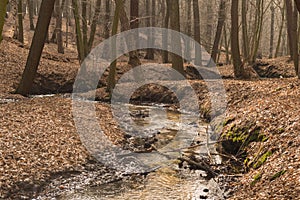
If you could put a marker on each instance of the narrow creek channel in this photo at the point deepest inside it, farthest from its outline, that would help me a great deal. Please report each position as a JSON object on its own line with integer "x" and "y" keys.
{"x": 174, "y": 179}
{"x": 170, "y": 180}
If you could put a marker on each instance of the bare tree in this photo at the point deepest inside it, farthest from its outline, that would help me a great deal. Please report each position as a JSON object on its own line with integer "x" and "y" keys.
{"x": 292, "y": 26}
{"x": 111, "y": 82}
{"x": 36, "y": 48}
{"x": 221, "y": 20}
{"x": 237, "y": 63}
{"x": 177, "y": 61}
{"x": 197, "y": 37}
{"x": 30, "y": 10}
{"x": 20, "y": 22}
{"x": 272, "y": 8}
{"x": 60, "y": 47}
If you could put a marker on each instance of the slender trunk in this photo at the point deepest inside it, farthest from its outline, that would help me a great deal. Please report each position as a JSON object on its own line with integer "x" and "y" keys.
{"x": 280, "y": 30}
{"x": 111, "y": 82}
{"x": 134, "y": 23}
{"x": 198, "y": 53}
{"x": 84, "y": 27}
{"x": 150, "y": 22}
{"x": 30, "y": 9}
{"x": 94, "y": 26}
{"x": 257, "y": 30}
{"x": 125, "y": 26}
{"x": 245, "y": 31}
{"x": 36, "y": 48}
{"x": 80, "y": 47}
{"x": 177, "y": 61}
{"x": 188, "y": 29}
{"x": 221, "y": 20}
{"x": 209, "y": 26}
{"x": 165, "y": 34}
{"x": 60, "y": 47}
{"x": 272, "y": 8}
{"x": 20, "y": 22}
{"x": 107, "y": 19}
{"x": 67, "y": 22}
{"x": 289, "y": 18}
{"x": 237, "y": 63}
{"x": 226, "y": 44}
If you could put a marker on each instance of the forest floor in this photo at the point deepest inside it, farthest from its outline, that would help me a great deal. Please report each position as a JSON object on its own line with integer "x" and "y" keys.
{"x": 38, "y": 139}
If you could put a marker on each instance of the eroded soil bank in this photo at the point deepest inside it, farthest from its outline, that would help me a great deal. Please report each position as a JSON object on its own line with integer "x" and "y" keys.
{"x": 38, "y": 138}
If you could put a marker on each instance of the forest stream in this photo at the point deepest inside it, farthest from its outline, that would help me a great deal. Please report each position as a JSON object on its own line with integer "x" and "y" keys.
{"x": 173, "y": 180}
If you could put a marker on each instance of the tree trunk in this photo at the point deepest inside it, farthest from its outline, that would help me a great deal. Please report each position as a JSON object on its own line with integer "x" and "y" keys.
{"x": 177, "y": 61}
{"x": 245, "y": 31}
{"x": 125, "y": 26}
{"x": 2, "y": 16}
{"x": 20, "y": 22}
{"x": 221, "y": 20}
{"x": 107, "y": 19}
{"x": 150, "y": 22}
{"x": 111, "y": 82}
{"x": 79, "y": 42}
{"x": 198, "y": 53}
{"x": 94, "y": 25}
{"x": 235, "y": 49}
{"x": 165, "y": 34}
{"x": 209, "y": 26}
{"x": 280, "y": 30}
{"x": 134, "y": 23}
{"x": 36, "y": 48}
{"x": 272, "y": 8}
{"x": 84, "y": 26}
{"x": 297, "y": 2}
{"x": 292, "y": 23}
{"x": 257, "y": 30}
{"x": 30, "y": 9}
{"x": 188, "y": 29}
{"x": 60, "y": 47}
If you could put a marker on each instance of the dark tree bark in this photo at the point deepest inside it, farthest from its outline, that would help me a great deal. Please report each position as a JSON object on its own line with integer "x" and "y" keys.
{"x": 235, "y": 49}
{"x": 134, "y": 14}
{"x": 94, "y": 25}
{"x": 297, "y": 2}
{"x": 84, "y": 27}
{"x": 292, "y": 23}
{"x": 272, "y": 8}
{"x": 60, "y": 47}
{"x": 20, "y": 22}
{"x": 107, "y": 19}
{"x": 221, "y": 20}
{"x": 30, "y": 10}
{"x": 197, "y": 38}
{"x": 177, "y": 61}
{"x": 125, "y": 26}
{"x": 165, "y": 35}
{"x": 36, "y": 48}
{"x": 79, "y": 41}
{"x": 150, "y": 22}
{"x": 245, "y": 31}
{"x": 111, "y": 79}
{"x": 134, "y": 23}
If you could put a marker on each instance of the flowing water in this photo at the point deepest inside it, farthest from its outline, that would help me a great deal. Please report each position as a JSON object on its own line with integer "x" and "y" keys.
{"x": 168, "y": 181}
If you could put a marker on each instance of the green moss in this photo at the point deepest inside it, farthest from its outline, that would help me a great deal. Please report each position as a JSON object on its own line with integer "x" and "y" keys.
{"x": 262, "y": 160}
{"x": 228, "y": 121}
{"x": 256, "y": 178}
{"x": 277, "y": 175}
